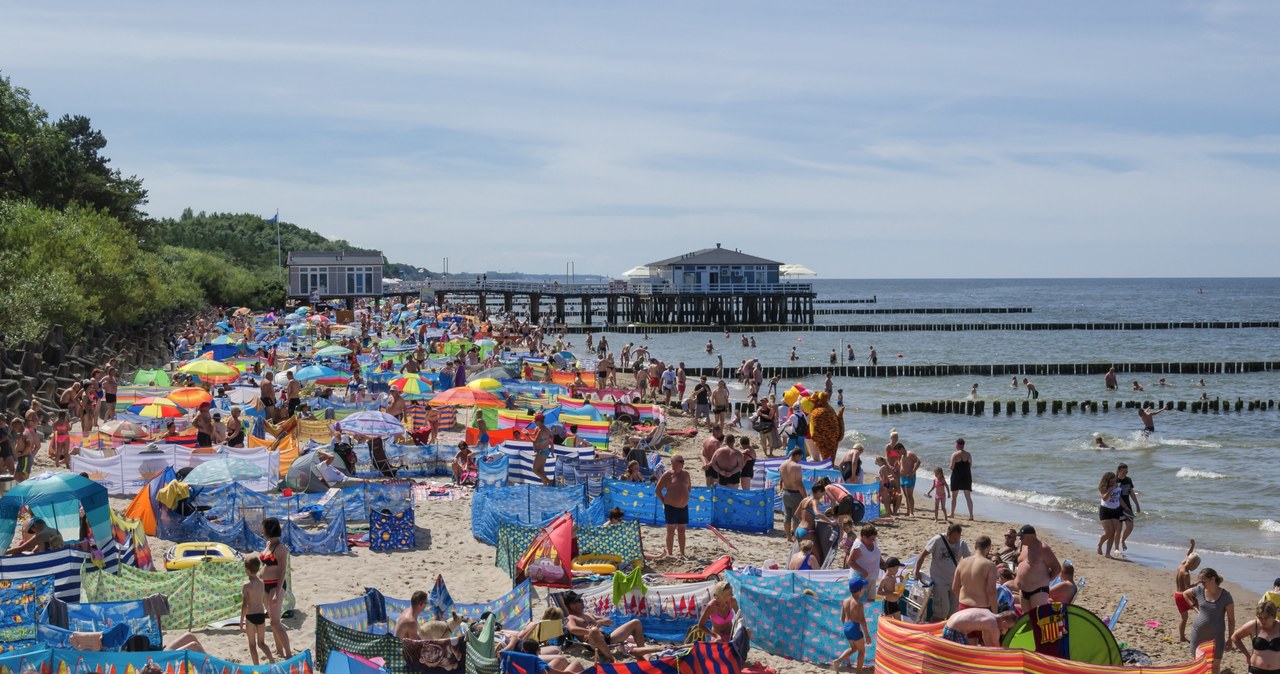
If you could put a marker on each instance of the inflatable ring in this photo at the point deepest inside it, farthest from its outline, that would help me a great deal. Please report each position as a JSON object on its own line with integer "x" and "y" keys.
{"x": 187, "y": 555}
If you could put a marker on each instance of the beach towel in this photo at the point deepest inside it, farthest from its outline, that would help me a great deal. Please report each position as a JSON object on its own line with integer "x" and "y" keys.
{"x": 389, "y": 531}
{"x": 628, "y": 582}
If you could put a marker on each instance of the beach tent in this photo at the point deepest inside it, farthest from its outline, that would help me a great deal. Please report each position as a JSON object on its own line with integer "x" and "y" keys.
{"x": 342, "y": 662}
{"x": 144, "y": 504}
{"x": 304, "y": 473}
{"x": 57, "y": 498}
{"x": 151, "y": 378}
{"x": 549, "y": 559}
{"x": 1065, "y": 631}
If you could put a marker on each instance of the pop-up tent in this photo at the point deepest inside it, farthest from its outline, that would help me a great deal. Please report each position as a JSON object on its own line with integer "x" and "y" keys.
{"x": 1064, "y": 631}
{"x": 144, "y": 504}
{"x": 549, "y": 559}
{"x": 57, "y": 498}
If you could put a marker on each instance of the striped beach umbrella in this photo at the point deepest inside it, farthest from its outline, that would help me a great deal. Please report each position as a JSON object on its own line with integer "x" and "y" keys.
{"x": 462, "y": 396}
{"x": 410, "y": 384}
{"x": 156, "y": 408}
{"x": 211, "y": 371}
{"x": 321, "y": 374}
{"x": 372, "y": 424}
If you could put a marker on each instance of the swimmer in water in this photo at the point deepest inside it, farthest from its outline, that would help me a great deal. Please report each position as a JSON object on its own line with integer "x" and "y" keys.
{"x": 973, "y": 392}
{"x": 1149, "y": 424}
{"x": 1099, "y": 443}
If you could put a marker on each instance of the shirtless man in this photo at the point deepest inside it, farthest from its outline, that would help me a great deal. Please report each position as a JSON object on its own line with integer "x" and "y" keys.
{"x": 1149, "y": 424}
{"x": 719, "y": 403}
{"x": 1037, "y": 565}
{"x": 541, "y": 448}
{"x": 1110, "y": 380}
{"x": 110, "y": 387}
{"x": 407, "y": 623}
{"x": 673, "y": 490}
{"x": 267, "y": 396}
{"x": 709, "y": 447}
{"x": 396, "y": 407}
{"x": 978, "y": 622}
{"x": 727, "y": 462}
{"x": 1008, "y": 553}
{"x": 791, "y": 484}
{"x": 909, "y": 464}
{"x": 25, "y": 446}
{"x": 204, "y": 426}
{"x": 974, "y": 584}
{"x": 293, "y": 394}
{"x": 587, "y": 627}
{"x": 654, "y": 372}
{"x": 40, "y": 538}
{"x": 681, "y": 381}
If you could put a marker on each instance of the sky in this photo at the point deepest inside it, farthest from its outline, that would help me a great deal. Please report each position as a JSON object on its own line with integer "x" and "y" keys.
{"x": 862, "y": 140}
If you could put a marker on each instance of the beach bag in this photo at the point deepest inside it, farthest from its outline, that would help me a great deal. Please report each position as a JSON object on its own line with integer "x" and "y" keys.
{"x": 761, "y": 425}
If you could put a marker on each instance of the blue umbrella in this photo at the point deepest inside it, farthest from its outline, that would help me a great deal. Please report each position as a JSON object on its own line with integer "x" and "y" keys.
{"x": 372, "y": 424}
{"x": 316, "y": 372}
{"x": 224, "y": 326}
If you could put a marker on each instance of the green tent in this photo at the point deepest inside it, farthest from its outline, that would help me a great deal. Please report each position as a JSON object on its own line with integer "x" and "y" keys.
{"x": 151, "y": 378}
{"x": 1088, "y": 638}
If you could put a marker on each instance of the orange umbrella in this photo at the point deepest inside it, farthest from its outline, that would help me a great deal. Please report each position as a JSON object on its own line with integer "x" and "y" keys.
{"x": 466, "y": 397}
{"x": 190, "y": 396}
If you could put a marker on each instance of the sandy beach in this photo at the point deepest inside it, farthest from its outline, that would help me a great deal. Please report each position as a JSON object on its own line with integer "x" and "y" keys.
{"x": 445, "y": 546}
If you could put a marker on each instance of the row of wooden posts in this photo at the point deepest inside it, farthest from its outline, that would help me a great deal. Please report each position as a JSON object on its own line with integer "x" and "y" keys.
{"x": 978, "y": 408}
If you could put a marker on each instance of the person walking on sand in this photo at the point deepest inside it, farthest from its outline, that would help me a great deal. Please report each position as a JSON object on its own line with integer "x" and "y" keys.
{"x": 253, "y": 611}
{"x": 944, "y": 552}
{"x": 974, "y": 582}
{"x": 1181, "y": 583}
{"x": 1149, "y": 424}
{"x": 1215, "y": 614}
{"x": 908, "y": 465}
{"x": 853, "y": 625}
{"x": 791, "y": 485}
{"x": 1109, "y": 512}
{"x": 1128, "y": 503}
{"x": 939, "y": 493}
{"x": 961, "y": 467}
{"x": 673, "y": 490}
{"x": 1037, "y": 566}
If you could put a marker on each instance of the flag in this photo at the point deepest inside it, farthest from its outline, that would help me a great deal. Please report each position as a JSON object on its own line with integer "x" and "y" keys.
{"x": 274, "y": 219}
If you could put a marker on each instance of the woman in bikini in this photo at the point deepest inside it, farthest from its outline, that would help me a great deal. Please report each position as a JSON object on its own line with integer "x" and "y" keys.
{"x": 275, "y": 563}
{"x": 717, "y": 618}
{"x": 807, "y": 514}
{"x": 1263, "y": 652}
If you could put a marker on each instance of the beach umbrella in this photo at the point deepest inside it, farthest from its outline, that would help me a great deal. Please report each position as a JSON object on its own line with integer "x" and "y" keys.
{"x": 320, "y": 344}
{"x": 462, "y": 396}
{"x": 319, "y": 318}
{"x": 296, "y": 327}
{"x": 211, "y": 371}
{"x": 224, "y": 471}
{"x": 486, "y": 342}
{"x": 499, "y": 372}
{"x": 347, "y": 331}
{"x": 388, "y": 343}
{"x": 372, "y": 424}
{"x": 322, "y": 374}
{"x": 243, "y": 310}
{"x": 156, "y": 408}
{"x": 587, "y": 410}
{"x": 119, "y": 428}
{"x": 485, "y": 384}
{"x": 58, "y": 499}
{"x": 333, "y": 351}
{"x": 397, "y": 306}
{"x": 223, "y": 325}
{"x": 302, "y": 311}
{"x": 189, "y": 396}
{"x": 410, "y": 384}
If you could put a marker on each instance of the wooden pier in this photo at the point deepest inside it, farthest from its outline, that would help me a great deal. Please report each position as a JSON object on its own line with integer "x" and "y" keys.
{"x": 936, "y": 327}
{"x": 1005, "y": 369}
{"x": 620, "y": 302}
{"x": 977, "y": 408}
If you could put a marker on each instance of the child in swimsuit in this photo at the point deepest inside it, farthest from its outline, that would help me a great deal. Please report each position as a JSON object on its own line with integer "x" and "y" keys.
{"x": 60, "y": 449}
{"x": 853, "y": 622}
{"x": 939, "y": 493}
{"x": 253, "y": 612}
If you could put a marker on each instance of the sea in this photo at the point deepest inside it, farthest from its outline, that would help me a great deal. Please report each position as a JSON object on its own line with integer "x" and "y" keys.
{"x": 1214, "y": 477}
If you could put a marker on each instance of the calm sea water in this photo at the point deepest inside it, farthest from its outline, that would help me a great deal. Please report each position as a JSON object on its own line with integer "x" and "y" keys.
{"x": 1211, "y": 476}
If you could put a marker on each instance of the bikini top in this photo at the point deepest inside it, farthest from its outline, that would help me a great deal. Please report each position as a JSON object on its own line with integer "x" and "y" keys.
{"x": 722, "y": 619}
{"x": 1264, "y": 644}
{"x": 268, "y": 559}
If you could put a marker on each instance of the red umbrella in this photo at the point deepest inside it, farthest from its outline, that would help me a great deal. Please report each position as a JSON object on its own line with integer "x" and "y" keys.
{"x": 463, "y": 396}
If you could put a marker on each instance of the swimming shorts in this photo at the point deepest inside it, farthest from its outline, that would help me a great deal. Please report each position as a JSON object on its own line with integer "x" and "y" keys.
{"x": 890, "y": 607}
{"x": 731, "y": 480}
{"x": 952, "y": 635}
{"x": 1181, "y": 602}
{"x": 204, "y": 440}
{"x": 23, "y": 464}
{"x": 1259, "y": 670}
{"x": 790, "y": 501}
{"x": 484, "y": 438}
{"x": 675, "y": 514}
{"x": 710, "y": 473}
{"x": 268, "y": 402}
{"x": 653, "y": 382}
{"x": 748, "y": 469}
{"x": 294, "y": 404}
{"x": 255, "y": 618}
{"x": 1105, "y": 513}
{"x": 908, "y": 482}
{"x": 852, "y": 631}
{"x": 109, "y": 398}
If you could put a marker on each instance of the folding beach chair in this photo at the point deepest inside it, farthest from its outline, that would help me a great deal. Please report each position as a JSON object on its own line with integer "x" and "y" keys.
{"x": 713, "y": 570}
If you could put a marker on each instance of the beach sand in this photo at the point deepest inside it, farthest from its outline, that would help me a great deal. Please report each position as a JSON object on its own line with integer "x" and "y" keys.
{"x": 445, "y": 546}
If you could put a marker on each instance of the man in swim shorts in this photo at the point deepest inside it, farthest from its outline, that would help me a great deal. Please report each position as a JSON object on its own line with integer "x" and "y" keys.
{"x": 1149, "y": 424}
{"x": 791, "y": 484}
{"x": 909, "y": 463}
{"x": 978, "y": 624}
{"x": 673, "y": 490}
{"x": 709, "y": 447}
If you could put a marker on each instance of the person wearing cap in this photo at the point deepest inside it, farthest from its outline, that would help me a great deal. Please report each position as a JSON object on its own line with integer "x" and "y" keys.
{"x": 1037, "y": 565}
{"x": 40, "y": 538}
{"x": 797, "y": 427}
{"x": 204, "y": 426}
{"x": 541, "y": 447}
{"x": 944, "y": 552}
{"x": 853, "y": 624}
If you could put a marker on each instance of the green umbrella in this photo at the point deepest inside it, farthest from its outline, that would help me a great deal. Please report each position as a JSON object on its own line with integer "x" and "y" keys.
{"x": 334, "y": 351}
{"x": 224, "y": 471}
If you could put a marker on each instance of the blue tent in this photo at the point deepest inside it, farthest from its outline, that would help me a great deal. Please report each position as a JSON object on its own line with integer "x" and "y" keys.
{"x": 57, "y": 499}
